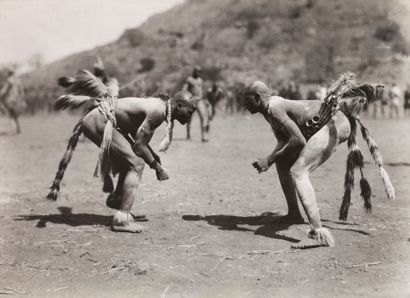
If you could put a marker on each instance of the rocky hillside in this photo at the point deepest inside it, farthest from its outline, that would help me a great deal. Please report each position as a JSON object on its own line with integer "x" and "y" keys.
{"x": 240, "y": 40}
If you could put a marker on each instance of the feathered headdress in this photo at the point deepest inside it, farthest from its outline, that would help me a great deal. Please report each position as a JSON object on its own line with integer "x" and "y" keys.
{"x": 342, "y": 85}
{"x": 85, "y": 90}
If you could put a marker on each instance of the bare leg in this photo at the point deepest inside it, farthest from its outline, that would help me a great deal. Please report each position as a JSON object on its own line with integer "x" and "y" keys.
{"x": 288, "y": 187}
{"x": 130, "y": 174}
{"x": 201, "y": 127}
{"x": 114, "y": 199}
{"x": 213, "y": 112}
{"x": 188, "y": 129}
{"x": 203, "y": 118}
{"x": 108, "y": 185}
{"x": 375, "y": 107}
{"x": 16, "y": 124}
{"x": 318, "y": 149}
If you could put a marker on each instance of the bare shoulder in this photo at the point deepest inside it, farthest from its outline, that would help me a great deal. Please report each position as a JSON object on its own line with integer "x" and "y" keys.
{"x": 151, "y": 108}
{"x": 277, "y": 106}
{"x": 143, "y": 103}
{"x": 155, "y": 111}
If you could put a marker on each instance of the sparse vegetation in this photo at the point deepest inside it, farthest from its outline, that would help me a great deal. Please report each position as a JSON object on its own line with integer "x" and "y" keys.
{"x": 272, "y": 40}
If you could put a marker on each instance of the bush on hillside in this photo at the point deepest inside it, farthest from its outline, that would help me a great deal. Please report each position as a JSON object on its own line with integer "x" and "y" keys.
{"x": 134, "y": 37}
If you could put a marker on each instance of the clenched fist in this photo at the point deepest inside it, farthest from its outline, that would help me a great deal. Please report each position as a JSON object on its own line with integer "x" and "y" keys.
{"x": 261, "y": 165}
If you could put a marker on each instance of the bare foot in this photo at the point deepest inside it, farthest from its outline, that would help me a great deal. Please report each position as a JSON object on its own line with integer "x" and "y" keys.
{"x": 123, "y": 221}
{"x": 317, "y": 237}
{"x": 307, "y": 243}
{"x": 204, "y": 140}
{"x": 131, "y": 227}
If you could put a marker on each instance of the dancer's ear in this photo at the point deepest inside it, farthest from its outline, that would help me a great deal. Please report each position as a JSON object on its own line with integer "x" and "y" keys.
{"x": 258, "y": 98}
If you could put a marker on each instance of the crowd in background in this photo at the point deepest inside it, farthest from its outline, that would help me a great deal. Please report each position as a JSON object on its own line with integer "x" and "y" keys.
{"x": 394, "y": 102}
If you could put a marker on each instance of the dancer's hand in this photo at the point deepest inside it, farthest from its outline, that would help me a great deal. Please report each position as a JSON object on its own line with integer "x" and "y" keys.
{"x": 261, "y": 165}
{"x": 162, "y": 174}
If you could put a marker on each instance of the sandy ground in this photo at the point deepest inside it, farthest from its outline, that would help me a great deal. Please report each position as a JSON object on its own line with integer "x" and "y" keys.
{"x": 208, "y": 226}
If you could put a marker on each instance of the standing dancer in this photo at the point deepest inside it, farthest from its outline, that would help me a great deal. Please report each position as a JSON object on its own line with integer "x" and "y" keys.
{"x": 194, "y": 85}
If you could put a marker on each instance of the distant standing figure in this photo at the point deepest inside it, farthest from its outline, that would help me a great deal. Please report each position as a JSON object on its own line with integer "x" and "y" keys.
{"x": 407, "y": 101}
{"x": 230, "y": 102}
{"x": 12, "y": 98}
{"x": 214, "y": 95}
{"x": 283, "y": 91}
{"x": 312, "y": 94}
{"x": 381, "y": 104}
{"x": 194, "y": 85}
{"x": 394, "y": 97}
{"x": 296, "y": 93}
{"x": 290, "y": 92}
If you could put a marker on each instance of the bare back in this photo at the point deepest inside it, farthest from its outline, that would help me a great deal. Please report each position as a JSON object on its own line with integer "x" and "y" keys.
{"x": 194, "y": 86}
{"x": 131, "y": 113}
{"x": 281, "y": 109}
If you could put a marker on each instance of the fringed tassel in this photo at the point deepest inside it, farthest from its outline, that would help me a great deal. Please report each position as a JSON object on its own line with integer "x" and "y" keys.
{"x": 374, "y": 151}
{"x": 356, "y": 157}
{"x": 354, "y": 160}
{"x": 348, "y": 186}
{"x": 344, "y": 208}
{"x": 366, "y": 193}
{"x": 167, "y": 140}
{"x": 387, "y": 184}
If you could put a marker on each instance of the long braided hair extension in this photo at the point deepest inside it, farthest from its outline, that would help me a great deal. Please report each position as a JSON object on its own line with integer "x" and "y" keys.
{"x": 354, "y": 160}
{"x": 72, "y": 143}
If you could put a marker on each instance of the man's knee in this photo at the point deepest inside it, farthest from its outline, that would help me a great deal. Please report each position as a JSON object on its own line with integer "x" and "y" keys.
{"x": 138, "y": 167}
{"x": 133, "y": 166}
{"x": 298, "y": 171}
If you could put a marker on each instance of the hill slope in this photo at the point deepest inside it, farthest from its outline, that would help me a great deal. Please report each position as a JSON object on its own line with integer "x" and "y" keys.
{"x": 240, "y": 40}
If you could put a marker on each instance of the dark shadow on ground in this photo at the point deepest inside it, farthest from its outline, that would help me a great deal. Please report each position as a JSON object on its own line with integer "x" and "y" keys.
{"x": 343, "y": 223}
{"x": 190, "y": 140}
{"x": 393, "y": 164}
{"x": 68, "y": 218}
{"x": 398, "y": 164}
{"x": 266, "y": 221}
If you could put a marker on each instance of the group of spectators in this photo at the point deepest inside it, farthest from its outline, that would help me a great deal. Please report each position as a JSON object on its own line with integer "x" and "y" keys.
{"x": 292, "y": 91}
{"x": 393, "y": 103}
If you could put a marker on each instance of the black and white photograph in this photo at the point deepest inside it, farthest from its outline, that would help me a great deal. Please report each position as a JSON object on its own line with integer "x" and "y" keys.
{"x": 205, "y": 148}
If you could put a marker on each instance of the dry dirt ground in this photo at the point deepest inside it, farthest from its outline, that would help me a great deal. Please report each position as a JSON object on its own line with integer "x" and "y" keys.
{"x": 208, "y": 226}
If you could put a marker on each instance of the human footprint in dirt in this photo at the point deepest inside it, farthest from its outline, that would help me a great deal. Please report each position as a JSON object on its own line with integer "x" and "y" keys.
{"x": 125, "y": 140}
{"x": 308, "y": 132}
